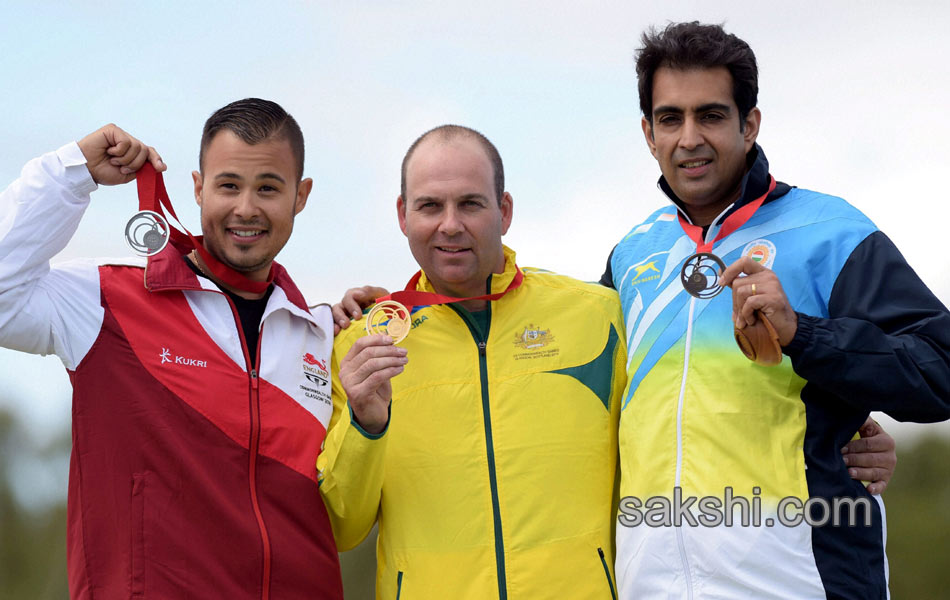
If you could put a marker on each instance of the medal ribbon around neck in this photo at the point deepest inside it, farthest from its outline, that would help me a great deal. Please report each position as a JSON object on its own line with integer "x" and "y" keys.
{"x": 153, "y": 197}
{"x": 391, "y": 314}
{"x": 700, "y": 273}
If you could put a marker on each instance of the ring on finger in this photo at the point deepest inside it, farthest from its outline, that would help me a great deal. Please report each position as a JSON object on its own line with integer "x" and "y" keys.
{"x": 753, "y": 289}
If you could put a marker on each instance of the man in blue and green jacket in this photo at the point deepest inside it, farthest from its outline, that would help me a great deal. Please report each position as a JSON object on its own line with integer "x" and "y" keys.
{"x": 701, "y": 424}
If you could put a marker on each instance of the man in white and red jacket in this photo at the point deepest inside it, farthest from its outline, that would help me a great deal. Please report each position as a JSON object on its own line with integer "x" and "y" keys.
{"x": 200, "y": 378}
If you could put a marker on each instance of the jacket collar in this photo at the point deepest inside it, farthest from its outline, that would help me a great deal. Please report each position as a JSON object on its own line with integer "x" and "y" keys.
{"x": 497, "y": 282}
{"x": 755, "y": 182}
{"x": 167, "y": 271}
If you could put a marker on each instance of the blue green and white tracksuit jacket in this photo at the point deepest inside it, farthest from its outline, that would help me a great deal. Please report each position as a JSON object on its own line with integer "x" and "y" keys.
{"x": 698, "y": 416}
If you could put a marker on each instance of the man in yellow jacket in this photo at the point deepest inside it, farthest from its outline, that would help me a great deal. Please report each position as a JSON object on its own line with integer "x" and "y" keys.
{"x": 490, "y": 461}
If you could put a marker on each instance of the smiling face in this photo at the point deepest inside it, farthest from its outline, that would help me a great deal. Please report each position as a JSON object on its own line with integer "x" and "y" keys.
{"x": 698, "y": 138}
{"x": 451, "y": 216}
{"x": 249, "y": 196}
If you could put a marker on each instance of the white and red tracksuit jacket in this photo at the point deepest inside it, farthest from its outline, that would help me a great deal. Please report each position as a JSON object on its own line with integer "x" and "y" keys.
{"x": 193, "y": 472}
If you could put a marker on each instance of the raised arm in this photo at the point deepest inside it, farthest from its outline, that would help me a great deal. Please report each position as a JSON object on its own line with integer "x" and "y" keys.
{"x": 44, "y": 311}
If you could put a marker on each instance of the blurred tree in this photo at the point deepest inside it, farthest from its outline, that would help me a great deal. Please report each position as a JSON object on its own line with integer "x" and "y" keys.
{"x": 32, "y": 539}
{"x": 917, "y": 501}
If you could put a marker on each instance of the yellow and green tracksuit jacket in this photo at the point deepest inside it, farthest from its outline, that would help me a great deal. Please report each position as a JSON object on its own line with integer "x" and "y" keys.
{"x": 495, "y": 476}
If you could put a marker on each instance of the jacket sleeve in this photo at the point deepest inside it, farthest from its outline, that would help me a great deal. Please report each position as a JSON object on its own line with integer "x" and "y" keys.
{"x": 350, "y": 466}
{"x": 607, "y": 278}
{"x": 43, "y": 310}
{"x": 886, "y": 342}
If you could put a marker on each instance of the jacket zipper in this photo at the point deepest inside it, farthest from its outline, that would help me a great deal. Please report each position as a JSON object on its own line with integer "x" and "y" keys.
{"x": 680, "y": 544}
{"x": 610, "y": 581}
{"x": 255, "y": 410}
{"x": 481, "y": 341}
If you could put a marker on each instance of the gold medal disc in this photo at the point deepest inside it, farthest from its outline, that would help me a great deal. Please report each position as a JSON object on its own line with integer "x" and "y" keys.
{"x": 389, "y": 318}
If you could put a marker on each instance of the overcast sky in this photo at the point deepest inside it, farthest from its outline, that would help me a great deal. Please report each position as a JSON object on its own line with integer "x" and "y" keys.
{"x": 853, "y": 97}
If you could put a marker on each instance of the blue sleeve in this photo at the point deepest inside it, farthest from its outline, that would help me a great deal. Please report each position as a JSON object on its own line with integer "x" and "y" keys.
{"x": 886, "y": 343}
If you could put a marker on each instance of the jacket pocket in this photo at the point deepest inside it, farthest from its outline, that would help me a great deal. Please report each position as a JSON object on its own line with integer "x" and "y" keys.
{"x": 137, "y": 535}
{"x": 610, "y": 580}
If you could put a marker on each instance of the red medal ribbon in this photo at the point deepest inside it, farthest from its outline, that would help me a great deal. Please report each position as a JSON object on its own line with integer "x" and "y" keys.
{"x": 411, "y": 297}
{"x": 732, "y": 222}
{"x": 154, "y": 197}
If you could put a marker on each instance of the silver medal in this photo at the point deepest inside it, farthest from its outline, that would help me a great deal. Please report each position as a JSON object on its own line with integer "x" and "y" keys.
{"x": 147, "y": 233}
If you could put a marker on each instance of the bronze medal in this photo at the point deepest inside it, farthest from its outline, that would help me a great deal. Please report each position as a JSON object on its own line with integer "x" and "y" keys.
{"x": 700, "y": 275}
{"x": 701, "y": 271}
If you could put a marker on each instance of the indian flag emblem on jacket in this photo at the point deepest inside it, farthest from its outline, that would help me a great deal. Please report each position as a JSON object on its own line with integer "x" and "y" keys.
{"x": 761, "y": 251}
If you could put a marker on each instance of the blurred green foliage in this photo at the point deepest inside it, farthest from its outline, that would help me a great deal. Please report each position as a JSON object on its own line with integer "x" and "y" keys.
{"x": 917, "y": 501}
{"x": 33, "y": 539}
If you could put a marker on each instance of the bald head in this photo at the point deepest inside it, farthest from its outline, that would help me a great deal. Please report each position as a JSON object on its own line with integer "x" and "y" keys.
{"x": 449, "y": 133}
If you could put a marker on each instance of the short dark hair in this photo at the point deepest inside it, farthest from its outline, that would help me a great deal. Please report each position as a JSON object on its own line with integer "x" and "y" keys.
{"x": 696, "y": 45}
{"x": 254, "y": 121}
{"x": 449, "y": 132}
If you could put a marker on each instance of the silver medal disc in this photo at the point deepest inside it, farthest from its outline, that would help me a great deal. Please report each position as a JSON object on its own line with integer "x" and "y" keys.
{"x": 147, "y": 233}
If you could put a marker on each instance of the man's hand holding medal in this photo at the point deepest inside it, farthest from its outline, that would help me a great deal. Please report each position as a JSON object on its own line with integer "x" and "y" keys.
{"x": 371, "y": 363}
{"x": 113, "y": 156}
{"x": 764, "y": 319}
{"x": 365, "y": 373}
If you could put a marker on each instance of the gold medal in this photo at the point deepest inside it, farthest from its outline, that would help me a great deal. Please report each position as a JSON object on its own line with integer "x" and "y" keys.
{"x": 389, "y": 318}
